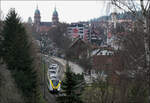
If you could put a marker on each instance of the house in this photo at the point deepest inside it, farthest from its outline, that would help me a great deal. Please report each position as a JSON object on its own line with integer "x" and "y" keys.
{"x": 79, "y": 49}
{"x": 105, "y": 63}
{"x": 79, "y": 30}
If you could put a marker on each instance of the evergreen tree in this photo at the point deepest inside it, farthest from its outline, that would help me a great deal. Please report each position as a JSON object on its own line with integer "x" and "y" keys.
{"x": 70, "y": 88}
{"x": 17, "y": 55}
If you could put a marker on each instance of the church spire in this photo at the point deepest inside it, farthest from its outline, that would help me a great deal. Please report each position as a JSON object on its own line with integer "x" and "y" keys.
{"x": 37, "y": 17}
{"x": 55, "y": 8}
{"x": 55, "y": 18}
{"x": 36, "y": 6}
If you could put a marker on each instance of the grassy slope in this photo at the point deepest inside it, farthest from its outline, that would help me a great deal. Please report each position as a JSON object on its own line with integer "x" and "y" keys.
{"x": 8, "y": 90}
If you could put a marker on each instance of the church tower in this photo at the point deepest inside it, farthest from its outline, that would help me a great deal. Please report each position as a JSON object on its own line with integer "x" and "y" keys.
{"x": 55, "y": 18}
{"x": 37, "y": 19}
{"x": 29, "y": 21}
{"x": 114, "y": 16}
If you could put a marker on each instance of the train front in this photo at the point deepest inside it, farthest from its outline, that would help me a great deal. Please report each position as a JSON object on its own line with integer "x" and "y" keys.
{"x": 55, "y": 85}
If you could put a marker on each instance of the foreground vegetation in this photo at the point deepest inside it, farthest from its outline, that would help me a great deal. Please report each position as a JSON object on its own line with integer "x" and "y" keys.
{"x": 17, "y": 54}
{"x": 71, "y": 87}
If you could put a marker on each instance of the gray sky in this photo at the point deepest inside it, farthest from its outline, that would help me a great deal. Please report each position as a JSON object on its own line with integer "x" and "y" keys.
{"x": 68, "y": 11}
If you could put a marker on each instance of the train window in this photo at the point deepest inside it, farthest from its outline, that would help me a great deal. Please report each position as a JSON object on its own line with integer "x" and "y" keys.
{"x": 53, "y": 76}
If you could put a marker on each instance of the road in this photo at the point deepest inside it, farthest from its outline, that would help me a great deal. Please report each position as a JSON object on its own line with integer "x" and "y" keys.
{"x": 75, "y": 68}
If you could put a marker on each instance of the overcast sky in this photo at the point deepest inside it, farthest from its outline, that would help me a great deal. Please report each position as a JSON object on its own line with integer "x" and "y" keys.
{"x": 68, "y": 11}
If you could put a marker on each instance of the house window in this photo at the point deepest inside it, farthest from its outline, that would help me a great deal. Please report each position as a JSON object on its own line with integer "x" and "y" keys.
{"x": 81, "y": 36}
{"x": 106, "y": 53}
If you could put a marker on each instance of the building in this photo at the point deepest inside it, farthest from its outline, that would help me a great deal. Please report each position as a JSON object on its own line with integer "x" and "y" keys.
{"x": 30, "y": 21}
{"x": 117, "y": 28}
{"x": 98, "y": 32}
{"x": 44, "y": 26}
{"x": 79, "y": 49}
{"x": 79, "y": 30}
{"x": 55, "y": 19}
{"x": 105, "y": 63}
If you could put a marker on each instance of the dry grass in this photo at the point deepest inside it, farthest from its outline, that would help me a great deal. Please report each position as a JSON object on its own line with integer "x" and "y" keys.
{"x": 9, "y": 93}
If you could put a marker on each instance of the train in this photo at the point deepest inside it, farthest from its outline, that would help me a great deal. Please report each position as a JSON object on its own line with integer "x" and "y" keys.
{"x": 53, "y": 83}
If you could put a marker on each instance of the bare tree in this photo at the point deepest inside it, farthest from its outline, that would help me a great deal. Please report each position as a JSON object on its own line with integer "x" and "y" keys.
{"x": 144, "y": 20}
{"x": 133, "y": 7}
{"x": 99, "y": 92}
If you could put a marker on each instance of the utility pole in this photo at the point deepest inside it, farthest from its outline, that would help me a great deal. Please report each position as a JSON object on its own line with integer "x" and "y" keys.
{"x": 43, "y": 62}
{"x": 146, "y": 41}
{"x": 44, "y": 68}
{"x": 44, "y": 78}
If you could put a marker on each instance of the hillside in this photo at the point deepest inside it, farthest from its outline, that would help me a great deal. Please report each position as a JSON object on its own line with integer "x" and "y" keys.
{"x": 125, "y": 15}
{"x": 9, "y": 93}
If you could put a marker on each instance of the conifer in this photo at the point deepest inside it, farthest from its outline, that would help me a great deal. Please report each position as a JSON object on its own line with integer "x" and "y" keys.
{"x": 70, "y": 88}
{"x": 17, "y": 55}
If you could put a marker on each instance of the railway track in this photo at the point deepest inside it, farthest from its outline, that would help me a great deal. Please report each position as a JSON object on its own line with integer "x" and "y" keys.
{"x": 49, "y": 97}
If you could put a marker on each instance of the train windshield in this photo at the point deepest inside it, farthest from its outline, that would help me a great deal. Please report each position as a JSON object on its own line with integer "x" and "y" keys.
{"x": 55, "y": 82}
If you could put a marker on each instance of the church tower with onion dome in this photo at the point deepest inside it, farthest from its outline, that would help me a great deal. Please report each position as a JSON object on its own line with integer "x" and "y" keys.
{"x": 55, "y": 18}
{"x": 37, "y": 18}
{"x": 44, "y": 26}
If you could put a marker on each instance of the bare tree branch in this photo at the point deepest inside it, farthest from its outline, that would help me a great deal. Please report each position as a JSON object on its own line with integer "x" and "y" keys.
{"x": 134, "y": 5}
{"x": 115, "y": 2}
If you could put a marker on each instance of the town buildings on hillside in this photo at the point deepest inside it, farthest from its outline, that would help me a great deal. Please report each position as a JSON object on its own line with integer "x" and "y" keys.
{"x": 102, "y": 45}
{"x": 79, "y": 30}
{"x": 108, "y": 30}
{"x": 101, "y": 33}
